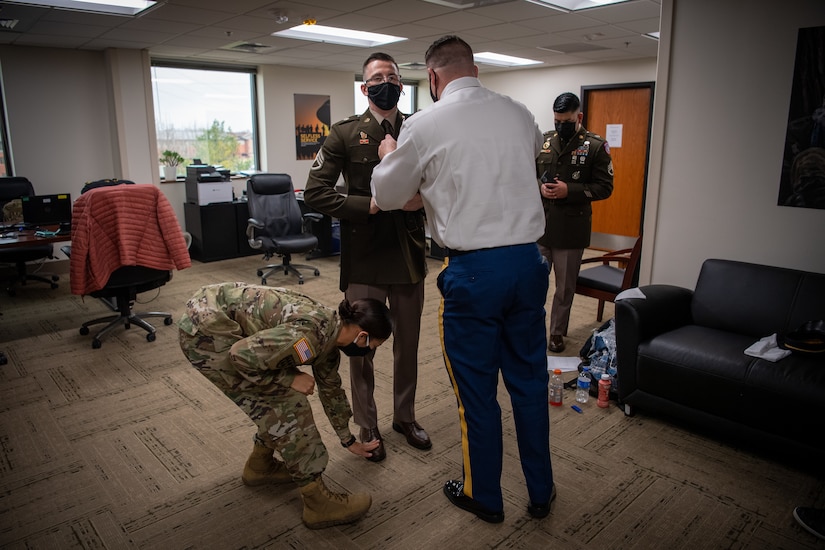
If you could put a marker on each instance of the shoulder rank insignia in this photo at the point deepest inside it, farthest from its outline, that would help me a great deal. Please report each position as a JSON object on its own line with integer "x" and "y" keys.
{"x": 319, "y": 161}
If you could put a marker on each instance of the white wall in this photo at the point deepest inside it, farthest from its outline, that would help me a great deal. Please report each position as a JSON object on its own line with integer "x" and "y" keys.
{"x": 278, "y": 86}
{"x": 59, "y": 116}
{"x": 132, "y": 114}
{"x": 538, "y": 88}
{"x": 726, "y": 87}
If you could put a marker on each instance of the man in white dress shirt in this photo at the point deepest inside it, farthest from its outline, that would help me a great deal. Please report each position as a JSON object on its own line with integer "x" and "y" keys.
{"x": 471, "y": 156}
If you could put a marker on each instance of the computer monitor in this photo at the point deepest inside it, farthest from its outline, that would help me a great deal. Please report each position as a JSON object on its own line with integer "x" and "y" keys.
{"x": 41, "y": 210}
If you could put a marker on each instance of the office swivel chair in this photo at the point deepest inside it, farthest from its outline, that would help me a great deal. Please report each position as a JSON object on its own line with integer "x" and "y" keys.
{"x": 12, "y": 188}
{"x": 276, "y": 224}
{"x": 605, "y": 281}
{"x": 123, "y": 287}
{"x": 125, "y": 241}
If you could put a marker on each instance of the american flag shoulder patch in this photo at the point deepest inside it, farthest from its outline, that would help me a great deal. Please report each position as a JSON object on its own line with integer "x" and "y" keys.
{"x": 303, "y": 349}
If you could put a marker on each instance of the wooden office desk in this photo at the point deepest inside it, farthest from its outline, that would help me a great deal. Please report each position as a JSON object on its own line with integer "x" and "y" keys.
{"x": 27, "y": 237}
{"x": 24, "y": 238}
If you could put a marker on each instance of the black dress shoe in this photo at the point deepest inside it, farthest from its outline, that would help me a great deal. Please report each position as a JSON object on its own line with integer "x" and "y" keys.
{"x": 454, "y": 490}
{"x": 415, "y": 434}
{"x": 539, "y": 511}
{"x": 556, "y": 344}
{"x": 379, "y": 453}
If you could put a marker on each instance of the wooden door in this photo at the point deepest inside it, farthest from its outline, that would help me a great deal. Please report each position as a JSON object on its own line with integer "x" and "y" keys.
{"x": 621, "y": 112}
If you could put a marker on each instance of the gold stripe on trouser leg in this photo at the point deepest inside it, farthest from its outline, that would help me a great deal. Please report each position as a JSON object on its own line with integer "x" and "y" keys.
{"x": 465, "y": 447}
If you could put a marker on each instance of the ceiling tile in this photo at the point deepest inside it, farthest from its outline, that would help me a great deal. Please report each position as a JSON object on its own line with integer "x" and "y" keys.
{"x": 197, "y": 29}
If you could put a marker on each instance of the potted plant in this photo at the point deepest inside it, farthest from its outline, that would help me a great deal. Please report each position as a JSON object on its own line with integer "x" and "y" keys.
{"x": 170, "y": 161}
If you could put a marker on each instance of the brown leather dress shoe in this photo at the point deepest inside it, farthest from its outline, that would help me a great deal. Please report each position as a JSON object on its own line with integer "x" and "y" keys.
{"x": 556, "y": 344}
{"x": 415, "y": 434}
{"x": 379, "y": 453}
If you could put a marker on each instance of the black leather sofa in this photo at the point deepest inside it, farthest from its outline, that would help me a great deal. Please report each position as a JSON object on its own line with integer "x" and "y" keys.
{"x": 680, "y": 354}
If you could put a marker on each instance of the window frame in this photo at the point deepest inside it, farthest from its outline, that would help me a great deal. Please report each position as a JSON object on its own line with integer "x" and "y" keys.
{"x": 218, "y": 67}
{"x": 5, "y": 146}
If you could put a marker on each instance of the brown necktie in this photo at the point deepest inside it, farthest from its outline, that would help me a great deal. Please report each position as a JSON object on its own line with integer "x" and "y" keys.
{"x": 387, "y": 127}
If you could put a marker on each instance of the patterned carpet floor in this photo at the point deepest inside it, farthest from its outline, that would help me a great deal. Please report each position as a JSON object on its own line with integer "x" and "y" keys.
{"x": 128, "y": 447}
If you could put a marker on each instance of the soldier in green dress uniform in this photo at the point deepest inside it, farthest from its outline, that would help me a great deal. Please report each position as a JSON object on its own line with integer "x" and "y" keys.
{"x": 575, "y": 169}
{"x": 382, "y": 252}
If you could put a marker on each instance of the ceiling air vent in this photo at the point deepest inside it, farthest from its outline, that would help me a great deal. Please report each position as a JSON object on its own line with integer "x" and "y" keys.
{"x": 575, "y": 47}
{"x": 246, "y": 47}
{"x": 413, "y": 66}
{"x": 8, "y": 24}
{"x": 461, "y": 4}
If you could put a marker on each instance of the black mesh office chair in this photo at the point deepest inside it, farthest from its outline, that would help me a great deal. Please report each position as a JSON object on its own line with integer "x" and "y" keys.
{"x": 12, "y": 188}
{"x": 276, "y": 224}
{"x": 123, "y": 287}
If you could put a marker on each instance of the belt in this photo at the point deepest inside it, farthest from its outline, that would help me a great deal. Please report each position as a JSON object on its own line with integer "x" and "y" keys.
{"x": 449, "y": 252}
{"x": 455, "y": 253}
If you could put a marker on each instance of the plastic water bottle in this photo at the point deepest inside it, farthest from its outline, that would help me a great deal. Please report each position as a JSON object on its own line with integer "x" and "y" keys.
{"x": 583, "y": 385}
{"x": 556, "y": 393}
{"x": 604, "y": 391}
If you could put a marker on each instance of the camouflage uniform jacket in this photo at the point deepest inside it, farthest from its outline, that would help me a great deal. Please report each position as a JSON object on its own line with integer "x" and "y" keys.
{"x": 266, "y": 333}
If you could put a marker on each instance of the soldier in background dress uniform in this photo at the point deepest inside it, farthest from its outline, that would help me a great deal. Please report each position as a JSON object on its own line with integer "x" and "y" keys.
{"x": 249, "y": 341}
{"x": 575, "y": 169}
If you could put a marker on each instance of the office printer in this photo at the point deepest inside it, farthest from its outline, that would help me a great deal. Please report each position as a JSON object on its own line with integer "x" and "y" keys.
{"x": 205, "y": 184}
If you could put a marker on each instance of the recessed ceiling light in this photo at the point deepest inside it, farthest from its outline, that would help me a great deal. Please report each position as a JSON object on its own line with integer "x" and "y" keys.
{"x": 334, "y": 35}
{"x": 111, "y": 7}
{"x": 500, "y": 60}
{"x": 574, "y": 5}
{"x": 653, "y": 35}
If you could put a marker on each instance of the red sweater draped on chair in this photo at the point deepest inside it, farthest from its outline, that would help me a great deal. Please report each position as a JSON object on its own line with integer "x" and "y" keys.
{"x": 119, "y": 226}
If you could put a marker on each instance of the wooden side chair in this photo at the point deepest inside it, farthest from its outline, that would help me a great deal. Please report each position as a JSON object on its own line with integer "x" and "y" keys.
{"x": 605, "y": 281}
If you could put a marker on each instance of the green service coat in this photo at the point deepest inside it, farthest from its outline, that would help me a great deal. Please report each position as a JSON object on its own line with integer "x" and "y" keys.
{"x": 381, "y": 249}
{"x": 584, "y": 164}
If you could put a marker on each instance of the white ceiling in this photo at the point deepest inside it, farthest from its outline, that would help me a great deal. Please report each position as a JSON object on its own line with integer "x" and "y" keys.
{"x": 202, "y": 30}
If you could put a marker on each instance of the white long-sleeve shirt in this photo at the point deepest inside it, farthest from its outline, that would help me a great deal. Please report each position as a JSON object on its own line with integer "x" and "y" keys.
{"x": 472, "y": 156}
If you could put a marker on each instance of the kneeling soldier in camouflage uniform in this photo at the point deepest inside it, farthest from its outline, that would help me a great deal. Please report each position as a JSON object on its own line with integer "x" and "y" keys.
{"x": 249, "y": 341}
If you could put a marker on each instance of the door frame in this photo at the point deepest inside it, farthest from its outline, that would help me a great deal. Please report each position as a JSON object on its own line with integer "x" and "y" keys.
{"x": 615, "y": 242}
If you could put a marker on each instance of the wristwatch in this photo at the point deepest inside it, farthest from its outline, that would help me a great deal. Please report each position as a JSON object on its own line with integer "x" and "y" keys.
{"x": 347, "y": 444}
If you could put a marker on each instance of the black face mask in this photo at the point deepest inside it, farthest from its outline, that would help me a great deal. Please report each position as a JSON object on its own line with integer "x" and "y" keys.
{"x": 432, "y": 94}
{"x": 384, "y": 95}
{"x": 354, "y": 350}
{"x": 566, "y": 130}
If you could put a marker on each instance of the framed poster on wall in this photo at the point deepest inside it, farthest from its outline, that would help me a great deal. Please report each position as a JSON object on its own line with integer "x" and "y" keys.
{"x": 312, "y": 121}
{"x": 802, "y": 183}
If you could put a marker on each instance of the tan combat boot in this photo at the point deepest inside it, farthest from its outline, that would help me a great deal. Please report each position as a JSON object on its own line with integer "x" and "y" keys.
{"x": 262, "y": 468}
{"x": 323, "y": 508}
